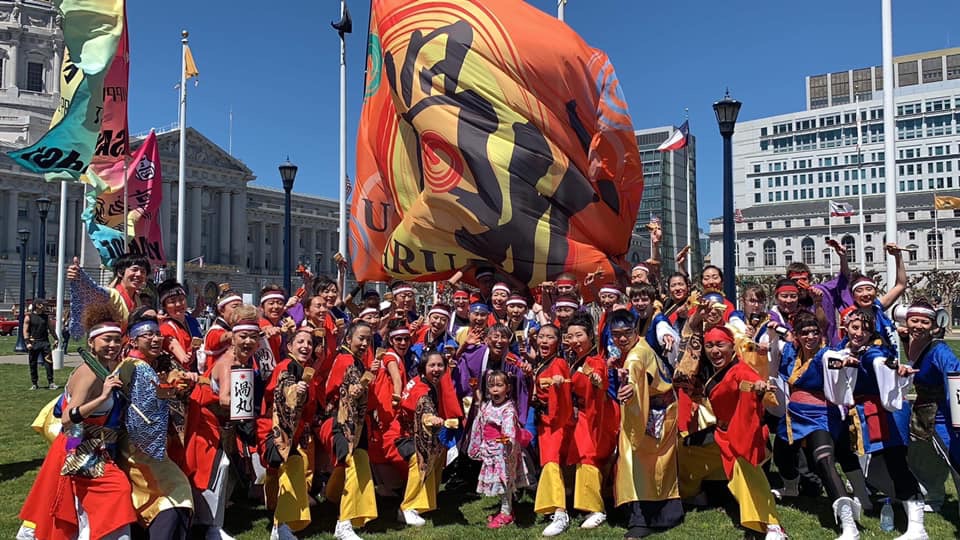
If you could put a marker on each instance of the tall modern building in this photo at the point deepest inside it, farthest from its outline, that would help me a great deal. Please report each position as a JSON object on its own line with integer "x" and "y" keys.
{"x": 788, "y": 168}
{"x": 669, "y": 179}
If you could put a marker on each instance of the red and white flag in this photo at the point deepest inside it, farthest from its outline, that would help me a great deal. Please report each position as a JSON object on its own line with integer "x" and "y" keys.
{"x": 738, "y": 216}
{"x": 676, "y": 141}
{"x": 841, "y": 209}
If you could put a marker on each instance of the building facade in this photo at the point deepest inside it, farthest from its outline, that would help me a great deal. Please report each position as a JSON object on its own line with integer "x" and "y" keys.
{"x": 787, "y": 169}
{"x": 668, "y": 179}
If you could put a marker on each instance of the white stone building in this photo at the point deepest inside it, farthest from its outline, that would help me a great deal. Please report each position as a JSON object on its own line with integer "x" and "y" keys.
{"x": 787, "y": 168}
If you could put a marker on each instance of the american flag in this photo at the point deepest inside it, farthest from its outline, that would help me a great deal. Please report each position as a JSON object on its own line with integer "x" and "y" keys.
{"x": 841, "y": 209}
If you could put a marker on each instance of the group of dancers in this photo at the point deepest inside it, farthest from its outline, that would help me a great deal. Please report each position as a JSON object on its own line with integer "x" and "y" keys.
{"x": 653, "y": 399}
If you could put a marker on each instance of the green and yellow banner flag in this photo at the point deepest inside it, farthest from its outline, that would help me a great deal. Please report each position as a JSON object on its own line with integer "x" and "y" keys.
{"x": 946, "y": 202}
{"x": 91, "y": 32}
{"x": 490, "y": 131}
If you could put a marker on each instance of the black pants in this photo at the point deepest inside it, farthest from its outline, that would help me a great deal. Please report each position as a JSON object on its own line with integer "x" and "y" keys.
{"x": 819, "y": 451}
{"x": 894, "y": 460}
{"x": 171, "y": 524}
{"x": 648, "y": 517}
{"x": 38, "y": 354}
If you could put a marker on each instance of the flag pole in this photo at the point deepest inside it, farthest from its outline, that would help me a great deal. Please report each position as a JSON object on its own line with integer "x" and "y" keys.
{"x": 126, "y": 209}
{"x": 560, "y": 5}
{"x": 936, "y": 231}
{"x": 890, "y": 138}
{"x": 830, "y": 226}
{"x": 861, "y": 251}
{"x": 686, "y": 151}
{"x": 181, "y": 180}
{"x": 83, "y": 227}
{"x": 342, "y": 247}
{"x": 61, "y": 277}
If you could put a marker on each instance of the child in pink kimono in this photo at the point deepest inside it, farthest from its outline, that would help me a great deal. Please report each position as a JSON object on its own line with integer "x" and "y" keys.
{"x": 496, "y": 440}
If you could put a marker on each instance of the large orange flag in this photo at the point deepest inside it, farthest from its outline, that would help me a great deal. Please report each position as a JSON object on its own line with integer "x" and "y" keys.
{"x": 490, "y": 131}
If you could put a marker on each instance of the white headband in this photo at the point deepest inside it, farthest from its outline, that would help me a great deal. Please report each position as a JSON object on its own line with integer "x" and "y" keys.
{"x": 643, "y": 267}
{"x": 862, "y": 282}
{"x": 438, "y": 311}
{"x": 227, "y": 300}
{"x": 368, "y": 311}
{"x": 565, "y": 303}
{"x": 922, "y": 311}
{"x": 500, "y": 287}
{"x": 400, "y": 332}
{"x": 610, "y": 290}
{"x": 272, "y": 296}
{"x": 401, "y": 290}
{"x": 105, "y": 329}
{"x": 246, "y": 327}
{"x": 517, "y": 302}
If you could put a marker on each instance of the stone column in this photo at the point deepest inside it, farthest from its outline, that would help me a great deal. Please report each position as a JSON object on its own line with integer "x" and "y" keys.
{"x": 196, "y": 213}
{"x": 225, "y": 224}
{"x": 14, "y": 60}
{"x": 166, "y": 206}
{"x": 57, "y": 66}
{"x": 241, "y": 248}
{"x": 309, "y": 253}
{"x": 13, "y": 209}
{"x": 260, "y": 246}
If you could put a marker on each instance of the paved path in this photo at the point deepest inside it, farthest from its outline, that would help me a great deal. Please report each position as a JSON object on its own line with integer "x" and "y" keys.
{"x": 72, "y": 360}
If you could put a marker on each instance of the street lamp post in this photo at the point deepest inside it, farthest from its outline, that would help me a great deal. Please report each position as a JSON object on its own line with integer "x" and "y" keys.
{"x": 43, "y": 209}
{"x": 23, "y": 235}
{"x": 727, "y": 110}
{"x": 288, "y": 173}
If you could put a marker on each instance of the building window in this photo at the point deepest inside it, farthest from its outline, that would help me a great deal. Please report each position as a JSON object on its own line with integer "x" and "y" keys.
{"x": 35, "y": 77}
{"x": 935, "y": 245}
{"x": 953, "y": 66}
{"x": 911, "y": 216}
{"x": 846, "y": 220}
{"x": 786, "y": 224}
{"x": 911, "y": 235}
{"x": 769, "y": 224}
{"x": 787, "y": 258}
{"x": 868, "y": 237}
{"x": 750, "y": 225}
{"x": 749, "y": 243}
{"x": 850, "y": 245}
{"x": 786, "y": 242}
{"x": 868, "y": 256}
{"x": 932, "y": 70}
{"x": 826, "y": 221}
{"x": 769, "y": 253}
{"x": 806, "y": 222}
{"x": 867, "y": 218}
{"x": 907, "y": 73}
{"x": 826, "y": 258}
{"x": 752, "y": 261}
{"x": 808, "y": 250}
{"x": 911, "y": 254}
{"x": 756, "y": 197}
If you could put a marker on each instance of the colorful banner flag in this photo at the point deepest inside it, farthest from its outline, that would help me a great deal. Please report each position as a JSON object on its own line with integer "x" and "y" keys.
{"x": 91, "y": 32}
{"x": 477, "y": 142}
{"x": 189, "y": 66}
{"x": 104, "y": 212}
{"x": 946, "y": 202}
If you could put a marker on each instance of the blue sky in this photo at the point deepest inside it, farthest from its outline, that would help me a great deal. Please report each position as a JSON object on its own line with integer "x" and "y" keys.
{"x": 276, "y": 65}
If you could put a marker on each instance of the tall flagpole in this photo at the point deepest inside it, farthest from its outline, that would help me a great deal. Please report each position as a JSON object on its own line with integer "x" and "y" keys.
{"x": 889, "y": 138}
{"x": 560, "y": 5}
{"x": 83, "y": 227}
{"x": 61, "y": 277}
{"x": 181, "y": 181}
{"x": 936, "y": 231}
{"x": 830, "y": 226}
{"x": 860, "y": 185}
{"x": 343, "y": 141}
{"x": 689, "y": 206}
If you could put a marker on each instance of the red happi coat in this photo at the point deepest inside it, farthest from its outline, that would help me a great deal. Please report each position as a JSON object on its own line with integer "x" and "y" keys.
{"x": 555, "y": 407}
{"x": 381, "y": 431}
{"x": 597, "y": 420}
{"x": 740, "y": 432}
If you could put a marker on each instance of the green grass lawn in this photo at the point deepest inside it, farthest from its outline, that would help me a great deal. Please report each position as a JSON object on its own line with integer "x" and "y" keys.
{"x": 460, "y": 514}
{"x": 6, "y": 345}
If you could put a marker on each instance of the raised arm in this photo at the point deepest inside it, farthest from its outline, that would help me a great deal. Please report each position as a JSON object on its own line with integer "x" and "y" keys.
{"x": 901, "y": 284}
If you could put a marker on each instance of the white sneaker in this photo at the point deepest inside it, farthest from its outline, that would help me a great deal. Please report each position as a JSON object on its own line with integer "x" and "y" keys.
{"x": 412, "y": 517}
{"x": 775, "y": 532}
{"x": 25, "y": 533}
{"x": 282, "y": 532}
{"x": 559, "y": 523}
{"x": 344, "y": 531}
{"x": 593, "y": 520}
{"x": 915, "y": 529}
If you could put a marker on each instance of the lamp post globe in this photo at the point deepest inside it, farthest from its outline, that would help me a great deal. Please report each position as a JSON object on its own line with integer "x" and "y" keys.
{"x": 288, "y": 173}
{"x": 727, "y": 110}
{"x": 23, "y": 235}
{"x": 43, "y": 210}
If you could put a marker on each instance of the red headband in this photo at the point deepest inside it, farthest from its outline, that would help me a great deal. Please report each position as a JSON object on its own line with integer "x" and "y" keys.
{"x": 461, "y": 294}
{"x": 570, "y": 282}
{"x": 718, "y": 333}
{"x": 787, "y": 287}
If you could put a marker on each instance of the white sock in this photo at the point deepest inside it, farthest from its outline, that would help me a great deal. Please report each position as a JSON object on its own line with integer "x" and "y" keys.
{"x": 506, "y": 504}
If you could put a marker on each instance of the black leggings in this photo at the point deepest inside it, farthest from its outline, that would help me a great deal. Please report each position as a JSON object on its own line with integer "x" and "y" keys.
{"x": 820, "y": 455}
{"x": 894, "y": 459}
